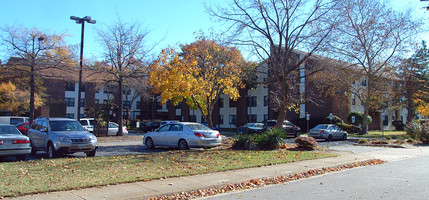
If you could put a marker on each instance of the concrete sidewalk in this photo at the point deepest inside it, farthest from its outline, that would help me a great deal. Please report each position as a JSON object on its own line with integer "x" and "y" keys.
{"x": 143, "y": 190}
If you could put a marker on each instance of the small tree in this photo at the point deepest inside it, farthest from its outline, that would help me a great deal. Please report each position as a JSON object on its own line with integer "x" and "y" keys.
{"x": 202, "y": 72}
{"x": 125, "y": 53}
{"x": 36, "y": 52}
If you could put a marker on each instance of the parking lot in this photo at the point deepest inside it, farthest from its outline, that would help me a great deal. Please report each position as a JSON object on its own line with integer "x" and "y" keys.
{"x": 132, "y": 144}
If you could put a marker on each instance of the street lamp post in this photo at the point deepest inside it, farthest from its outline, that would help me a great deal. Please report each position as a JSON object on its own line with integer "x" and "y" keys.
{"x": 33, "y": 64}
{"x": 81, "y": 21}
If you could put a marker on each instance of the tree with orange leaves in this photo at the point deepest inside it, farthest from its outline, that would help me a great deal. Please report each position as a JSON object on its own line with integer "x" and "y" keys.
{"x": 202, "y": 72}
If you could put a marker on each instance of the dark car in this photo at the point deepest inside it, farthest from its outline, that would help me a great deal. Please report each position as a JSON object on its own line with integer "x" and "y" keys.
{"x": 150, "y": 126}
{"x": 251, "y": 128}
{"x": 23, "y": 127}
{"x": 290, "y": 128}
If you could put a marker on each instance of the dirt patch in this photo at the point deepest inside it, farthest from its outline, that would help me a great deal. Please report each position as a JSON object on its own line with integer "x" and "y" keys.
{"x": 120, "y": 138}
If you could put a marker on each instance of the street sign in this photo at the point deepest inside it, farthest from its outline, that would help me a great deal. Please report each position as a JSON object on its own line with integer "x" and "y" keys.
{"x": 353, "y": 119}
{"x": 308, "y": 117}
{"x": 331, "y": 116}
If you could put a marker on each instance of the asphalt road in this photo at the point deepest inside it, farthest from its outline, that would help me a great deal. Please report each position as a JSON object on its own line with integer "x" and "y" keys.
{"x": 404, "y": 179}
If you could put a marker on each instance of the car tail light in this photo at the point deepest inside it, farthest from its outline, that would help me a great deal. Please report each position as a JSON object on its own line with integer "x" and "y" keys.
{"x": 1, "y": 142}
{"x": 20, "y": 141}
{"x": 199, "y": 135}
{"x": 218, "y": 135}
{"x": 322, "y": 131}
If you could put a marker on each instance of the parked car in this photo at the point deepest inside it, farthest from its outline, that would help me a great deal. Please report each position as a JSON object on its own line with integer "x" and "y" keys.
{"x": 150, "y": 126}
{"x": 12, "y": 120}
{"x": 328, "y": 132}
{"x": 289, "y": 128}
{"x": 114, "y": 127}
{"x": 23, "y": 127}
{"x": 168, "y": 122}
{"x": 58, "y": 136}
{"x": 13, "y": 143}
{"x": 183, "y": 135}
{"x": 251, "y": 128}
{"x": 87, "y": 124}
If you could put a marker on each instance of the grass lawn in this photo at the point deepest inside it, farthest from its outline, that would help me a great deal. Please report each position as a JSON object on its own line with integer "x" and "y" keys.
{"x": 379, "y": 134}
{"x": 36, "y": 176}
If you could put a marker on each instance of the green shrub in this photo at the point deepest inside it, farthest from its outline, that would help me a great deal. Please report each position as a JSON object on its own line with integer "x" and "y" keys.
{"x": 358, "y": 118}
{"x": 363, "y": 141}
{"x": 349, "y": 128}
{"x": 269, "y": 140}
{"x": 306, "y": 143}
{"x": 425, "y": 133}
{"x": 414, "y": 130}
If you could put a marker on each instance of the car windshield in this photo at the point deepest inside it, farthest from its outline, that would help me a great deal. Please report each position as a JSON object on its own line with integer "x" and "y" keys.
{"x": 91, "y": 122}
{"x": 65, "y": 126}
{"x": 9, "y": 130}
{"x": 321, "y": 126}
{"x": 197, "y": 127}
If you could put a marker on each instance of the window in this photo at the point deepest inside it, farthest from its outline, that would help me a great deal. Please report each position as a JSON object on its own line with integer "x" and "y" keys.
{"x": 192, "y": 118}
{"x": 69, "y": 86}
{"x": 232, "y": 103}
{"x": 363, "y": 82}
{"x": 69, "y": 102}
{"x": 233, "y": 119}
{"x": 138, "y": 105}
{"x": 252, "y": 118}
{"x": 82, "y": 87}
{"x": 179, "y": 105}
{"x": 176, "y": 127}
{"x": 265, "y": 100}
{"x": 265, "y": 117}
{"x": 221, "y": 103}
{"x": 126, "y": 104}
{"x": 82, "y": 102}
{"x": 70, "y": 115}
{"x": 220, "y": 119}
{"x": 386, "y": 120}
{"x": 251, "y": 101}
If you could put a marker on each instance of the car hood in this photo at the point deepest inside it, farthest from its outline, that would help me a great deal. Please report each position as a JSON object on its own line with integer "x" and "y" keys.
{"x": 73, "y": 134}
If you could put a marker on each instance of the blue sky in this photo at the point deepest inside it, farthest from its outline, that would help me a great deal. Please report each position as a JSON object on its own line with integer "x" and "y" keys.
{"x": 176, "y": 20}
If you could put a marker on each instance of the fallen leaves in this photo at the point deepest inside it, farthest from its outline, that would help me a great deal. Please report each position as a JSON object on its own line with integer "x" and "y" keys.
{"x": 256, "y": 183}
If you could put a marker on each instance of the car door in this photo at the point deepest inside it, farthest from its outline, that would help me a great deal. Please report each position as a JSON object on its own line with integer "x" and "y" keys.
{"x": 158, "y": 136}
{"x": 336, "y": 132}
{"x": 173, "y": 135}
{"x": 113, "y": 129}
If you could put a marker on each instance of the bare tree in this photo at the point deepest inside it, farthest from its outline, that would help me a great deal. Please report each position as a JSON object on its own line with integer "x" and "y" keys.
{"x": 125, "y": 53}
{"x": 275, "y": 30}
{"x": 35, "y": 52}
{"x": 369, "y": 38}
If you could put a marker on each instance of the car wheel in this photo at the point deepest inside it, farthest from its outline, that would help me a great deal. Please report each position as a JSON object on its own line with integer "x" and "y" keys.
{"x": 91, "y": 153}
{"x": 149, "y": 143}
{"x": 345, "y": 137}
{"x": 21, "y": 157}
{"x": 183, "y": 145}
{"x": 51, "y": 151}
{"x": 329, "y": 138}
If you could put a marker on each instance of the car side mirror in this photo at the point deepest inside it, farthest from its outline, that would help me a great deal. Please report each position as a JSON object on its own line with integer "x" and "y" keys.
{"x": 43, "y": 130}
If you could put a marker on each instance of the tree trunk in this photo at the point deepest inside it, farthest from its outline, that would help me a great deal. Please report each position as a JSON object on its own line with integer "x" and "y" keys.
{"x": 281, "y": 117}
{"x": 366, "y": 111}
{"x": 409, "y": 105}
{"x": 121, "y": 107}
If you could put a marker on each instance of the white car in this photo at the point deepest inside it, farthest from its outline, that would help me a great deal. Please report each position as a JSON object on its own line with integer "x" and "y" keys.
{"x": 114, "y": 127}
{"x": 183, "y": 135}
{"x": 327, "y": 132}
{"x": 87, "y": 124}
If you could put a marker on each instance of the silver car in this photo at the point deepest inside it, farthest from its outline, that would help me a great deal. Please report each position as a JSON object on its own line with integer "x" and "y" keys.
{"x": 183, "y": 135}
{"x": 13, "y": 143}
{"x": 327, "y": 132}
{"x": 59, "y": 136}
